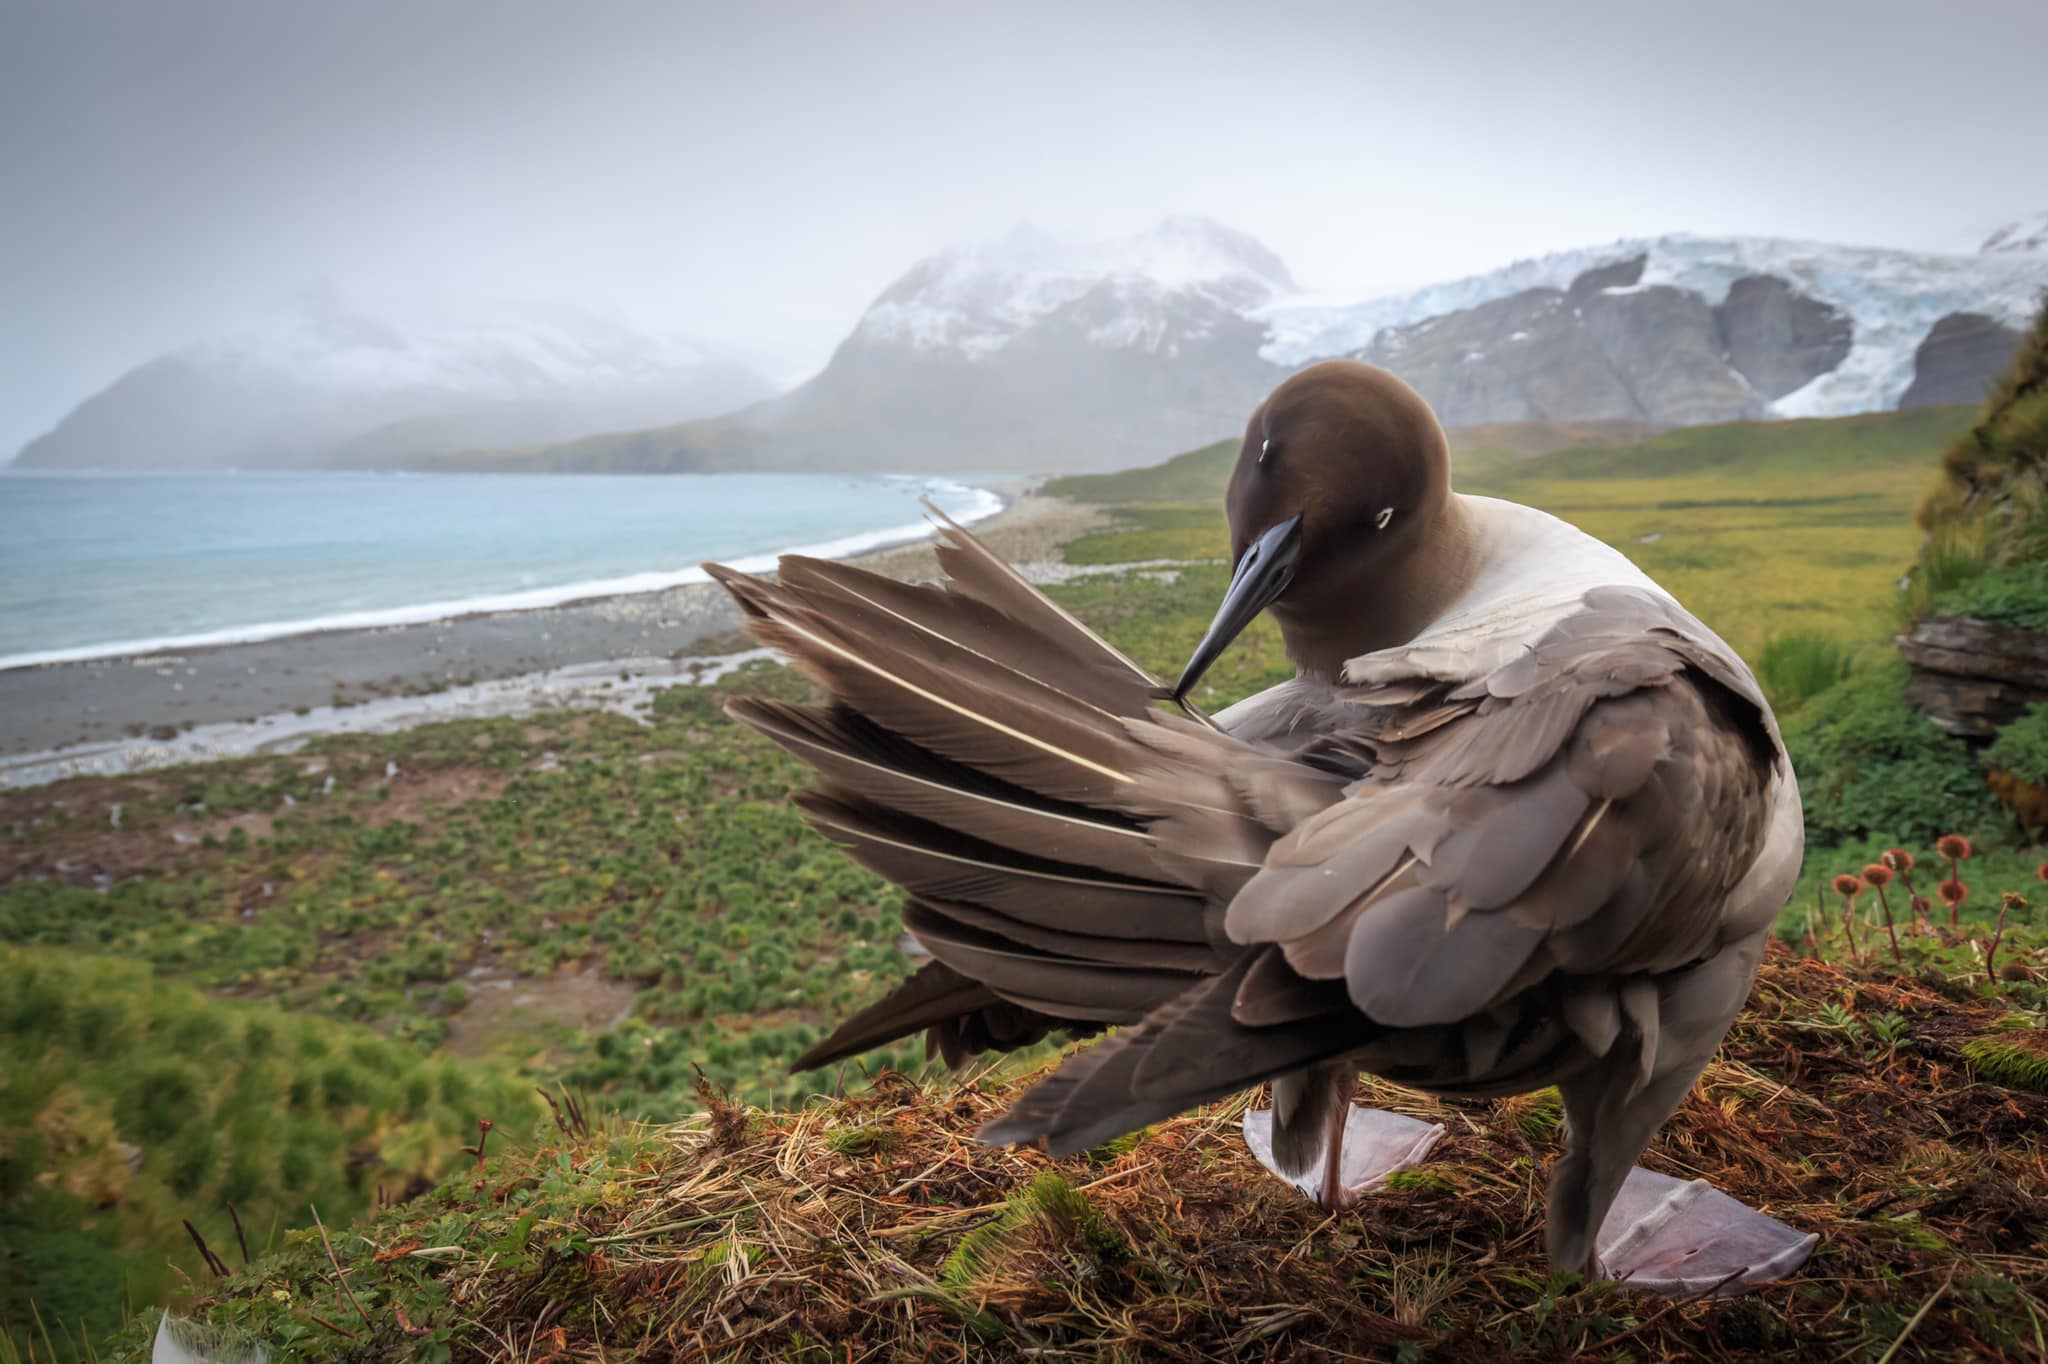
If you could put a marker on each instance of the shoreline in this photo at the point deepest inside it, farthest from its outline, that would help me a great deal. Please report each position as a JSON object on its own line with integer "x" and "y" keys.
{"x": 645, "y": 582}
{"x": 128, "y": 713}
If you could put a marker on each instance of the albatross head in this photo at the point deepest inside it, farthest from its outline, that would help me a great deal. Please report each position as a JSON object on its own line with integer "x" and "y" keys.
{"x": 1340, "y": 490}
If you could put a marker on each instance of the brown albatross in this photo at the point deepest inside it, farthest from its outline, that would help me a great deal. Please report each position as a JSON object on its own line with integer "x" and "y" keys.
{"x": 1519, "y": 821}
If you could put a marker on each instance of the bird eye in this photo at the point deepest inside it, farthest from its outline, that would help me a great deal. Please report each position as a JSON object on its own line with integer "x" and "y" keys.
{"x": 1265, "y": 448}
{"x": 1380, "y": 522}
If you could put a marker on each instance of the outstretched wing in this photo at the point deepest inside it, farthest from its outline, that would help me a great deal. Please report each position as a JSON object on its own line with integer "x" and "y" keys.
{"x": 978, "y": 751}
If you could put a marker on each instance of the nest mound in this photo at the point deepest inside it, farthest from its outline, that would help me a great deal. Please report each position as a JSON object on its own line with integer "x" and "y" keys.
{"x": 874, "y": 1226}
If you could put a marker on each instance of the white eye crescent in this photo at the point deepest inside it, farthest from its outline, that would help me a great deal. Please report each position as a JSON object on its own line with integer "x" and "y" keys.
{"x": 1264, "y": 447}
{"x": 1386, "y": 515}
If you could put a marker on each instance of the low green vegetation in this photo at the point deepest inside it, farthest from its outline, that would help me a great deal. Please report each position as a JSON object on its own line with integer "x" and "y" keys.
{"x": 2017, "y": 595}
{"x": 1795, "y": 667}
{"x": 1870, "y": 766}
{"x": 2021, "y": 747}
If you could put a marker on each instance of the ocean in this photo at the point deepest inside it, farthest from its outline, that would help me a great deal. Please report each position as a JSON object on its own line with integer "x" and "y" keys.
{"x": 93, "y": 565}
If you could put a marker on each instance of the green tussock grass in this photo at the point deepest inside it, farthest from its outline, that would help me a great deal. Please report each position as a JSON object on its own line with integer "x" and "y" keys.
{"x": 1048, "y": 1209}
{"x": 129, "y": 1104}
{"x": 1798, "y": 666}
{"x": 2014, "y": 1058}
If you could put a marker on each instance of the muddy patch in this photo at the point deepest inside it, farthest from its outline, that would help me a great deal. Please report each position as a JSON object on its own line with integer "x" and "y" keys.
{"x": 441, "y": 788}
{"x": 505, "y": 1007}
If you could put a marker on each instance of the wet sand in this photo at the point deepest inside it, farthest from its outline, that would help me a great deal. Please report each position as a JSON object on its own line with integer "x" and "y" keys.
{"x": 99, "y": 701}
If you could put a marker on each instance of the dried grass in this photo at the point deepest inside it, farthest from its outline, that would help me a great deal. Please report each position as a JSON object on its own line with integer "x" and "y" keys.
{"x": 876, "y": 1227}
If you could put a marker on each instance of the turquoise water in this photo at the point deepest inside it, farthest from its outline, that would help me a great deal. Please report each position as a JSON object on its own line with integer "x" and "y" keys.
{"x": 97, "y": 564}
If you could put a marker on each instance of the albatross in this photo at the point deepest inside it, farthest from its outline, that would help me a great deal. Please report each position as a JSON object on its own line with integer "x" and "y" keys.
{"x": 1518, "y": 821}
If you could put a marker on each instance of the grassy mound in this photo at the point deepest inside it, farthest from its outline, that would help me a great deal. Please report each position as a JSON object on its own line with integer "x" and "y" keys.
{"x": 1987, "y": 516}
{"x": 128, "y": 1105}
{"x": 875, "y": 1226}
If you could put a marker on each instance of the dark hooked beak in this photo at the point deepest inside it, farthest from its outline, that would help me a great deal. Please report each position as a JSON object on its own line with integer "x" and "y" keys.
{"x": 1261, "y": 575}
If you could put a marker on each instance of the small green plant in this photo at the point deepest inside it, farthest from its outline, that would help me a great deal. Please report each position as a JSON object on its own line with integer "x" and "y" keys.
{"x": 2021, "y": 748}
{"x": 1890, "y": 1029}
{"x": 2016, "y": 596}
{"x": 1844, "y": 1020}
{"x": 1048, "y": 1206}
{"x": 2017, "y": 1059}
{"x": 1797, "y": 666}
{"x": 1870, "y": 766}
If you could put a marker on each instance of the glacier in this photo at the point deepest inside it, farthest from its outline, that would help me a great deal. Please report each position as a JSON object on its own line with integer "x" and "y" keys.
{"x": 1892, "y": 298}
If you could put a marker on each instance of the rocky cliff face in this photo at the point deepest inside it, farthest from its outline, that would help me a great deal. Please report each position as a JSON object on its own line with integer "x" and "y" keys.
{"x": 1609, "y": 346}
{"x": 1959, "y": 360}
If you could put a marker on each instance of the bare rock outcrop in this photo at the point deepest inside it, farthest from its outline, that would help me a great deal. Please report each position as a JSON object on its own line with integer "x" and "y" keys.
{"x": 1972, "y": 676}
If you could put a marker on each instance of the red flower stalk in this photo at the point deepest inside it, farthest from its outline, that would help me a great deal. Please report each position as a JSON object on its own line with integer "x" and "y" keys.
{"x": 2006, "y": 904}
{"x": 483, "y": 1134}
{"x": 1848, "y": 885}
{"x": 1920, "y": 921}
{"x": 1877, "y": 874}
{"x": 1955, "y": 848}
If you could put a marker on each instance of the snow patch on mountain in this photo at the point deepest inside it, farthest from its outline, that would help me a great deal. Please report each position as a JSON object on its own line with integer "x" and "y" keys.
{"x": 2023, "y": 235}
{"x": 975, "y": 299}
{"x": 1893, "y": 298}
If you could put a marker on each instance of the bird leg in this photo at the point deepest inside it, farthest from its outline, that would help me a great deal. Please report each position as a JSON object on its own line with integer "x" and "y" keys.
{"x": 1356, "y": 1148}
{"x": 1664, "y": 1235}
{"x": 1334, "y": 1194}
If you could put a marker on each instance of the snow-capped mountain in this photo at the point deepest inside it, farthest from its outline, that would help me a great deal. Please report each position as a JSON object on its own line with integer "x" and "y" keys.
{"x": 974, "y": 300}
{"x": 1027, "y": 353}
{"x": 327, "y": 382}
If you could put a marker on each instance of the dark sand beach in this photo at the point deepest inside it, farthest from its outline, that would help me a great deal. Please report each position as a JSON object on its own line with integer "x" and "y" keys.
{"x": 102, "y": 701}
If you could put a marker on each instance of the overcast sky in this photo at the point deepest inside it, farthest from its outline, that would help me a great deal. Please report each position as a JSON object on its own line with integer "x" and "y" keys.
{"x": 757, "y": 172}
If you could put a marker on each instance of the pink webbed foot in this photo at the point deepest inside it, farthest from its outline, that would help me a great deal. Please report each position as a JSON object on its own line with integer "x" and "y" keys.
{"x": 1375, "y": 1144}
{"x": 1684, "y": 1238}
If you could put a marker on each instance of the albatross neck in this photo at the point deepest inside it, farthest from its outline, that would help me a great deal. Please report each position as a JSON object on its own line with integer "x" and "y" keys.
{"x": 1378, "y": 602}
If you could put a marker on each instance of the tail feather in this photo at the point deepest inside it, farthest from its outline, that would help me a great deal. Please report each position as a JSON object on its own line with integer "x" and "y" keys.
{"x": 961, "y": 622}
{"x": 859, "y": 757}
{"x": 1093, "y": 991}
{"x": 959, "y": 1017}
{"x": 955, "y": 703}
{"x": 935, "y": 994}
{"x": 933, "y": 862}
{"x": 980, "y": 573}
{"x": 1101, "y": 1093}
